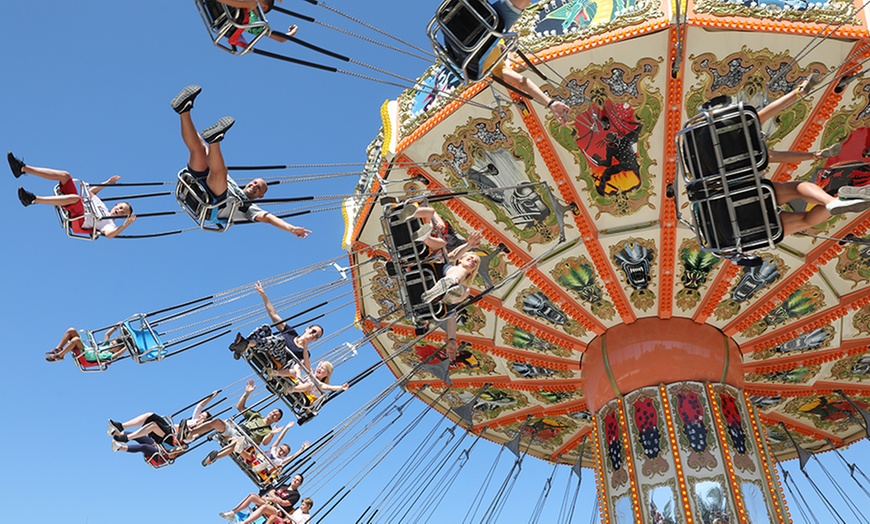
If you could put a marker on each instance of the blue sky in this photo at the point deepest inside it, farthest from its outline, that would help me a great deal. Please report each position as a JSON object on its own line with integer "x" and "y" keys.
{"x": 86, "y": 88}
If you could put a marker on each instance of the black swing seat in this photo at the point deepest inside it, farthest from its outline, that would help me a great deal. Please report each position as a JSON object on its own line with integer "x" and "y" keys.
{"x": 724, "y": 142}
{"x": 722, "y": 156}
{"x": 301, "y": 406}
{"x": 411, "y": 264}
{"x": 196, "y": 200}
{"x": 464, "y": 33}
{"x": 221, "y": 21}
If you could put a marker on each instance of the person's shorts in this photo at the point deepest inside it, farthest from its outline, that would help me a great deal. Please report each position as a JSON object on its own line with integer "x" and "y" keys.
{"x": 164, "y": 426}
{"x": 202, "y": 176}
{"x": 74, "y": 210}
{"x": 231, "y": 432}
{"x": 507, "y": 12}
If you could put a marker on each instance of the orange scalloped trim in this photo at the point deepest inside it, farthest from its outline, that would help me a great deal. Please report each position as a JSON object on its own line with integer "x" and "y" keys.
{"x": 772, "y": 26}
{"x": 584, "y": 223}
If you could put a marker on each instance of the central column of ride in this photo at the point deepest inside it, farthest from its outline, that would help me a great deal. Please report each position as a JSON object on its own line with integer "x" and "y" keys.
{"x": 676, "y": 438}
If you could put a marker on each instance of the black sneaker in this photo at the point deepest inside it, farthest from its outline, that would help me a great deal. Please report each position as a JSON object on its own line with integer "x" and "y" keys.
{"x": 239, "y": 346}
{"x": 25, "y": 196}
{"x": 15, "y": 164}
{"x": 114, "y": 428}
{"x": 183, "y": 430}
{"x": 210, "y": 458}
{"x": 216, "y": 132}
{"x": 183, "y": 101}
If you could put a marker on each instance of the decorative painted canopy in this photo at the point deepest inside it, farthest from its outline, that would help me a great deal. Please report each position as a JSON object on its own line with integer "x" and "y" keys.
{"x": 632, "y": 73}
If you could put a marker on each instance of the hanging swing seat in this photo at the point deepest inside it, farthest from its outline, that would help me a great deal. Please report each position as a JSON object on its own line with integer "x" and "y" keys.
{"x": 168, "y": 450}
{"x": 722, "y": 157}
{"x": 142, "y": 342}
{"x": 304, "y": 407}
{"x": 94, "y": 348}
{"x": 464, "y": 33}
{"x": 72, "y": 221}
{"x": 165, "y": 456}
{"x": 411, "y": 264}
{"x": 258, "y": 467}
{"x": 222, "y": 21}
{"x": 196, "y": 200}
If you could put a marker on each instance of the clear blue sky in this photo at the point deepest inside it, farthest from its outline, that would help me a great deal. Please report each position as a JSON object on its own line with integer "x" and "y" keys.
{"x": 85, "y": 88}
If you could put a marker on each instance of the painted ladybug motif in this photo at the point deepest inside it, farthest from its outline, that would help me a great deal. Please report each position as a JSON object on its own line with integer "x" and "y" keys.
{"x": 614, "y": 441}
{"x": 692, "y": 416}
{"x": 647, "y": 421}
{"x": 733, "y": 421}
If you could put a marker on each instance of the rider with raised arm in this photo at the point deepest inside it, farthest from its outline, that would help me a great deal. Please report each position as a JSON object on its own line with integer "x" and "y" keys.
{"x": 285, "y": 344}
{"x": 81, "y": 222}
{"x": 257, "y": 428}
{"x": 159, "y": 430}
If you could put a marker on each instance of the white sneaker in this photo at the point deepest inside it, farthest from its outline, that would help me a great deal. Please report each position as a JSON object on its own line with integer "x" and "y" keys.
{"x": 840, "y": 207}
{"x": 116, "y": 446}
{"x": 229, "y": 515}
{"x": 424, "y": 231}
{"x": 852, "y": 192}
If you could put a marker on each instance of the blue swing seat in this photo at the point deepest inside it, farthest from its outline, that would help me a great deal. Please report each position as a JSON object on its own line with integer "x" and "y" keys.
{"x": 142, "y": 342}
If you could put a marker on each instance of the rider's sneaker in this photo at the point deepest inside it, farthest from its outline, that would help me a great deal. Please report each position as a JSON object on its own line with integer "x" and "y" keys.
{"x": 807, "y": 84}
{"x": 839, "y": 207}
{"x": 216, "y": 132}
{"x": 15, "y": 164}
{"x": 854, "y": 193}
{"x": 832, "y": 151}
{"x": 183, "y": 101}
{"x": 25, "y": 196}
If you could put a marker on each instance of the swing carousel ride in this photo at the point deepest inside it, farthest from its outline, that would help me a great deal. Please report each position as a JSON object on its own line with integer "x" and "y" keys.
{"x": 603, "y": 334}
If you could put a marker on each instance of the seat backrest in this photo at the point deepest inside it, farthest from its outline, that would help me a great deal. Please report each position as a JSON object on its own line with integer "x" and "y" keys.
{"x": 195, "y": 199}
{"x": 217, "y": 15}
{"x": 142, "y": 342}
{"x": 724, "y": 140}
{"x": 470, "y": 30}
{"x": 756, "y": 223}
{"x": 462, "y": 18}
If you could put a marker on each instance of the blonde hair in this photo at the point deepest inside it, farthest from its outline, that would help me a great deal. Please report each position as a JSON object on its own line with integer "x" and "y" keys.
{"x": 473, "y": 273}
{"x": 329, "y": 367}
{"x": 309, "y": 501}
